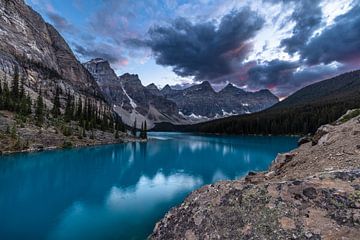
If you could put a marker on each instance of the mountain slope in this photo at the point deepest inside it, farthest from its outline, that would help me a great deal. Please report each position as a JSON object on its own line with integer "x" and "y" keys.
{"x": 40, "y": 53}
{"x": 130, "y": 99}
{"x": 202, "y": 102}
{"x": 344, "y": 86}
{"x": 38, "y": 70}
{"x": 301, "y": 113}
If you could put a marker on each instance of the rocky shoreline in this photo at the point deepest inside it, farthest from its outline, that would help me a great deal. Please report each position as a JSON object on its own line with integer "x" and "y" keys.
{"x": 80, "y": 145}
{"x": 25, "y": 137}
{"x": 312, "y": 192}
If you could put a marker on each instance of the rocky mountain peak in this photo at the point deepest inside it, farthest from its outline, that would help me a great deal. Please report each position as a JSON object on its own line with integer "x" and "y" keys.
{"x": 167, "y": 90}
{"x": 205, "y": 86}
{"x": 152, "y": 86}
{"x": 133, "y": 78}
{"x": 266, "y": 93}
{"x": 153, "y": 89}
{"x": 101, "y": 71}
{"x": 98, "y": 60}
{"x": 230, "y": 88}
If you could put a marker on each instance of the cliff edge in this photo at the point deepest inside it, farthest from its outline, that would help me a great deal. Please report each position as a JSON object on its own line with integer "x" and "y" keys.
{"x": 312, "y": 192}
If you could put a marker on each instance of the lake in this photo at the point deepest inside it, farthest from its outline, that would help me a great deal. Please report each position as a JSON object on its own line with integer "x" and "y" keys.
{"x": 119, "y": 191}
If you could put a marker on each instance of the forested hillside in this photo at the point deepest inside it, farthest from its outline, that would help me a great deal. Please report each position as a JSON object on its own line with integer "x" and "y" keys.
{"x": 301, "y": 113}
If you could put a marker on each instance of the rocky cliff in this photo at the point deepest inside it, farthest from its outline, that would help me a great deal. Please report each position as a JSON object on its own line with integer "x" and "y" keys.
{"x": 130, "y": 99}
{"x": 313, "y": 192}
{"x": 33, "y": 52}
{"x": 40, "y": 54}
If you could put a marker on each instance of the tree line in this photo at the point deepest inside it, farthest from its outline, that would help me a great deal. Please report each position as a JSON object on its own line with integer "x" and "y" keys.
{"x": 300, "y": 120}
{"x": 88, "y": 113}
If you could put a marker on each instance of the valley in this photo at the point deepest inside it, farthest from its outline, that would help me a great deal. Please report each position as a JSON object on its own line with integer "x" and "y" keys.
{"x": 178, "y": 119}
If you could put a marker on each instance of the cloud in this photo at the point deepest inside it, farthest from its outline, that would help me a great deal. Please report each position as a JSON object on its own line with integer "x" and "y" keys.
{"x": 285, "y": 77}
{"x": 339, "y": 42}
{"x": 308, "y": 16}
{"x": 105, "y": 51}
{"x": 204, "y": 50}
{"x": 271, "y": 74}
{"x": 60, "y": 23}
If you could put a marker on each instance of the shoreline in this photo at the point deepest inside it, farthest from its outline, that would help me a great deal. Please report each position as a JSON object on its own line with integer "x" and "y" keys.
{"x": 310, "y": 192}
{"x": 76, "y": 146}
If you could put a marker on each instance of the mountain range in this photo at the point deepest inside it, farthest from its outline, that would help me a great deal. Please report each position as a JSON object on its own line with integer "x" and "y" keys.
{"x": 198, "y": 103}
{"x": 46, "y": 64}
{"x": 300, "y": 113}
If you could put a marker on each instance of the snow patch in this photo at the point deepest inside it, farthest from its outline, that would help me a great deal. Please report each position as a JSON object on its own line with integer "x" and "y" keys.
{"x": 224, "y": 113}
{"x": 132, "y": 102}
{"x": 193, "y": 116}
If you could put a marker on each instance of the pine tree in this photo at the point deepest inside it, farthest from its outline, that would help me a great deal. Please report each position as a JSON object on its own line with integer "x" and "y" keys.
{"x": 6, "y": 96}
{"x": 39, "y": 111}
{"x": 142, "y": 131}
{"x": 134, "y": 129}
{"x": 15, "y": 84}
{"x": 117, "y": 134}
{"x": 1, "y": 97}
{"x": 145, "y": 130}
{"x": 69, "y": 111}
{"x": 79, "y": 109}
{"x": 1, "y": 91}
{"x": 56, "y": 105}
{"x": 28, "y": 104}
{"x": 22, "y": 87}
{"x": 13, "y": 131}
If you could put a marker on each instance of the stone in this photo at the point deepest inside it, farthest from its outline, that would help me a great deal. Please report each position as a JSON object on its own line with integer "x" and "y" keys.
{"x": 304, "y": 140}
{"x": 310, "y": 192}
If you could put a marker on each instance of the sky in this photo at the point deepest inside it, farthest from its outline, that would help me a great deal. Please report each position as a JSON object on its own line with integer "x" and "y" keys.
{"x": 280, "y": 45}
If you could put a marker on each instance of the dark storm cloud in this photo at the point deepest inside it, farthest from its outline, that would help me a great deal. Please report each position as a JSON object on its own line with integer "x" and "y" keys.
{"x": 60, "y": 22}
{"x": 271, "y": 74}
{"x": 203, "y": 50}
{"x": 101, "y": 51}
{"x": 307, "y": 16}
{"x": 339, "y": 42}
{"x": 284, "y": 77}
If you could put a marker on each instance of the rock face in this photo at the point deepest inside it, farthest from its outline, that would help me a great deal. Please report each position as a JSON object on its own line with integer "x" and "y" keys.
{"x": 312, "y": 192}
{"x": 194, "y": 104}
{"x": 130, "y": 99}
{"x": 107, "y": 81}
{"x": 153, "y": 89}
{"x": 203, "y": 103}
{"x": 41, "y": 55}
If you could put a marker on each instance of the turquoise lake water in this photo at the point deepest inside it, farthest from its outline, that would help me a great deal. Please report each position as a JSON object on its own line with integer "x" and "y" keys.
{"x": 119, "y": 191}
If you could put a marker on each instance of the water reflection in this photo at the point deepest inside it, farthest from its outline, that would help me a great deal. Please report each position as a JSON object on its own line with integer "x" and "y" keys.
{"x": 119, "y": 191}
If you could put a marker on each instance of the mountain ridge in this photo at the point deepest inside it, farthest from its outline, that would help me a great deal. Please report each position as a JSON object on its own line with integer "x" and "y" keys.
{"x": 196, "y": 103}
{"x": 301, "y": 113}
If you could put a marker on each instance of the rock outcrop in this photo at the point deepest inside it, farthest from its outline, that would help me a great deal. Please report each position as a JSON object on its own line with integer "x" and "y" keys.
{"x": 313, "y": 192}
